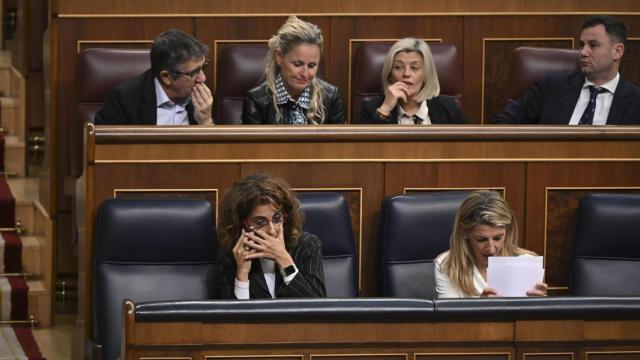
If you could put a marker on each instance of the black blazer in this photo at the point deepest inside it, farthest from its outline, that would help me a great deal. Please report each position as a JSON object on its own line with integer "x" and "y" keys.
{"x": 442, "y": 110}
{"x": 258, "y": 107}
{"x": 309, "y": 282}
{"x": 553, "y": 99}
{"x": 134, "y": 103}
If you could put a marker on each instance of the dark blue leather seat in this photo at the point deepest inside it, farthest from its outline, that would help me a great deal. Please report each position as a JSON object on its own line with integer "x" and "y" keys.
{"x": 327, "y": 216}
{"x": 414, "y": 229}
{"x": 149, "y": 250}
{"x": 606, "y": 246}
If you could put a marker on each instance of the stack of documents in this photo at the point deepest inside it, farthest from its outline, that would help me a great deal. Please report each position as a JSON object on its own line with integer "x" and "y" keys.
{"x": 512, "y": 276}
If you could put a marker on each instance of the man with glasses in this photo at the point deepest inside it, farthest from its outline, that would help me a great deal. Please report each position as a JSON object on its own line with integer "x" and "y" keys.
{"x": 172, "y": 92}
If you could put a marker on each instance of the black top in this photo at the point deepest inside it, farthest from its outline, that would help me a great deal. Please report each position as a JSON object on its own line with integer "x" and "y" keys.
{"x": 134, "y": 103}
{"x": 442, "y": 110}
{"x": 258, "y": 107}
{"x": 309, "y": 282}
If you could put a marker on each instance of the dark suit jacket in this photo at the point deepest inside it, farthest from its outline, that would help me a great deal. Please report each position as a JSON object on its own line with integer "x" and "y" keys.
{"x": 442, "y": 110}
{"x": 309, "y": 282}
{"x": 134, "y": 103}
{"x": 553, "y": 99}
{"x": 258, "y": 107}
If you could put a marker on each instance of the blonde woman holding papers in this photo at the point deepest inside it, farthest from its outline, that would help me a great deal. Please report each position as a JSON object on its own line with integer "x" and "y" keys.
{"x": 485, "y": 226}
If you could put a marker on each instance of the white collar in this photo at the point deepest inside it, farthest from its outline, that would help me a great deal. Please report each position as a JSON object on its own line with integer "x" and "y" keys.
{"x": 610, "y": 85}
{"x": 422, "y": 113}
{"x": 162, "y": 100}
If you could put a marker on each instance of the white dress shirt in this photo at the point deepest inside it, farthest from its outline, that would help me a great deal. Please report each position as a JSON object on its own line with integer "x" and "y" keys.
{"x": 446, "y": 289}
{"x": 422, "y": 113}
{"x": 168, "y": 112}
{"x": 603, "y": 102}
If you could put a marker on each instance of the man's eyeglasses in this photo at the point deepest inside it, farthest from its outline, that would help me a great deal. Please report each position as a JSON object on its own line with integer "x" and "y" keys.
{"x": 260, "y": 222}
{"x": 194, "y": 73}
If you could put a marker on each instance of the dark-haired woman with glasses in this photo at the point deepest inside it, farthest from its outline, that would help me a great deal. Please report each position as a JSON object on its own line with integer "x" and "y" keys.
{"x": 263, "y": 251}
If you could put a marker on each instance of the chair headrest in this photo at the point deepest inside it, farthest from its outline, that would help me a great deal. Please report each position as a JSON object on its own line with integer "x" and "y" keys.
{"x": 240, "y": 69}
{"x": 418, "y": 227}
{"x": 608, "y": 225}
{"x": 100, "y": 70}
{"x": 323, "y": 208}
{"x": 531, "y": 64}
{"x": 131, "y": 230}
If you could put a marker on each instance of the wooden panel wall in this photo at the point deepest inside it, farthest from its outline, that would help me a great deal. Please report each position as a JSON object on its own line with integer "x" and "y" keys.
{"x": 484, "y": 33}
{"x": 207, "y": 8}
{"x": 535, "y": 169}
{"x": 484, "y": 42}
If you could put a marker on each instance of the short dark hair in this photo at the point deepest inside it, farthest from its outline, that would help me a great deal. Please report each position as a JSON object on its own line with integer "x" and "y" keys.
{"x": 172, "y": 48}
{"x": 612, "y": 26}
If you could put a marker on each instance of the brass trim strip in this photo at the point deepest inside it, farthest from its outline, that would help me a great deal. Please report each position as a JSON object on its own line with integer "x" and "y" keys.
{"x": 18, "y": 229}
{"x": 130, "y": 306}
{"x": 233, "y": 161}
{"x": 350, "y": 62}
{"x": 415, "y": 355}
{"x": 8, "y": 174}
{"x": 18, "y": 274}
{"x": 524, "y": 355}
{"x": 79, "y": 42}
{"x": 252, "y": 356}
{"x": 546, "y": 220}
{"x": 587, "y": 353}
{"x": 503, "y": 188}
{"x": 31, "y": 321}
{"x": 311, "y": 356}
{"x": 484, "y": 51}
{"x": 361, "y": 191}
{"x": 352, "y": 14}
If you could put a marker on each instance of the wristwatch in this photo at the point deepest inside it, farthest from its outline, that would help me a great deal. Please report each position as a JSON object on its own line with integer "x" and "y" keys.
{"x": 289, "y": 270}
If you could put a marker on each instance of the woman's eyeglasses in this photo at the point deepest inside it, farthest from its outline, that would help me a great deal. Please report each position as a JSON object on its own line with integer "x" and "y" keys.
{"x": 194, "y": 73}
{"x": 260, "y": 222}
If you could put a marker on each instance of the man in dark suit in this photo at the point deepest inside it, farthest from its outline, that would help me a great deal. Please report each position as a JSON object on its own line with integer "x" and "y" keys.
{"x": 172, "y": 92}
{"x": 596, "y": 95}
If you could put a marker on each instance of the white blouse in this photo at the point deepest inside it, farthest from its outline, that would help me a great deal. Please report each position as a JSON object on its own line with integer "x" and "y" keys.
{"x": 444, "y": 287}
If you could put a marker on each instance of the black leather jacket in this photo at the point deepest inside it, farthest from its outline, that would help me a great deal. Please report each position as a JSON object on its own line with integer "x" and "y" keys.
{"x": 258, "y": 107}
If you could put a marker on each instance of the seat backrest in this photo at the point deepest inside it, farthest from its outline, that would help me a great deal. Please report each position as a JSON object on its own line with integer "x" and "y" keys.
{"x": 369, "y": 59}
{"x": 327, "y": 216}
{"x": 414, "y": 230}
{"x": 101, "y": 70}
{"x": 531, "y": 64}
{"x": 606, "y": 246}
{"x": 150, "y": 249}
{"x": 98, "y": 71}
{"x": 240, "y": 68}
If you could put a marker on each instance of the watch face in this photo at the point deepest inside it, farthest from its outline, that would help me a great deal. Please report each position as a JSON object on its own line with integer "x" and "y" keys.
{"x": 289, "y": 270}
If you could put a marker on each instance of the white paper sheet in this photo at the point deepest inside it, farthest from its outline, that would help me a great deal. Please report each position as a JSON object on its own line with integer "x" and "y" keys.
{"x": 512, "y": 276}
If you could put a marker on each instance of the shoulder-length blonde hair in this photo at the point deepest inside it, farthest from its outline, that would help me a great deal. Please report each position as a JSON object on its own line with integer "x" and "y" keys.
{"x": 483, "y": 207}
{"x": 251, "y": 192}
{"x": 431, "y": 86}
{"x": 293, "y": 33}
